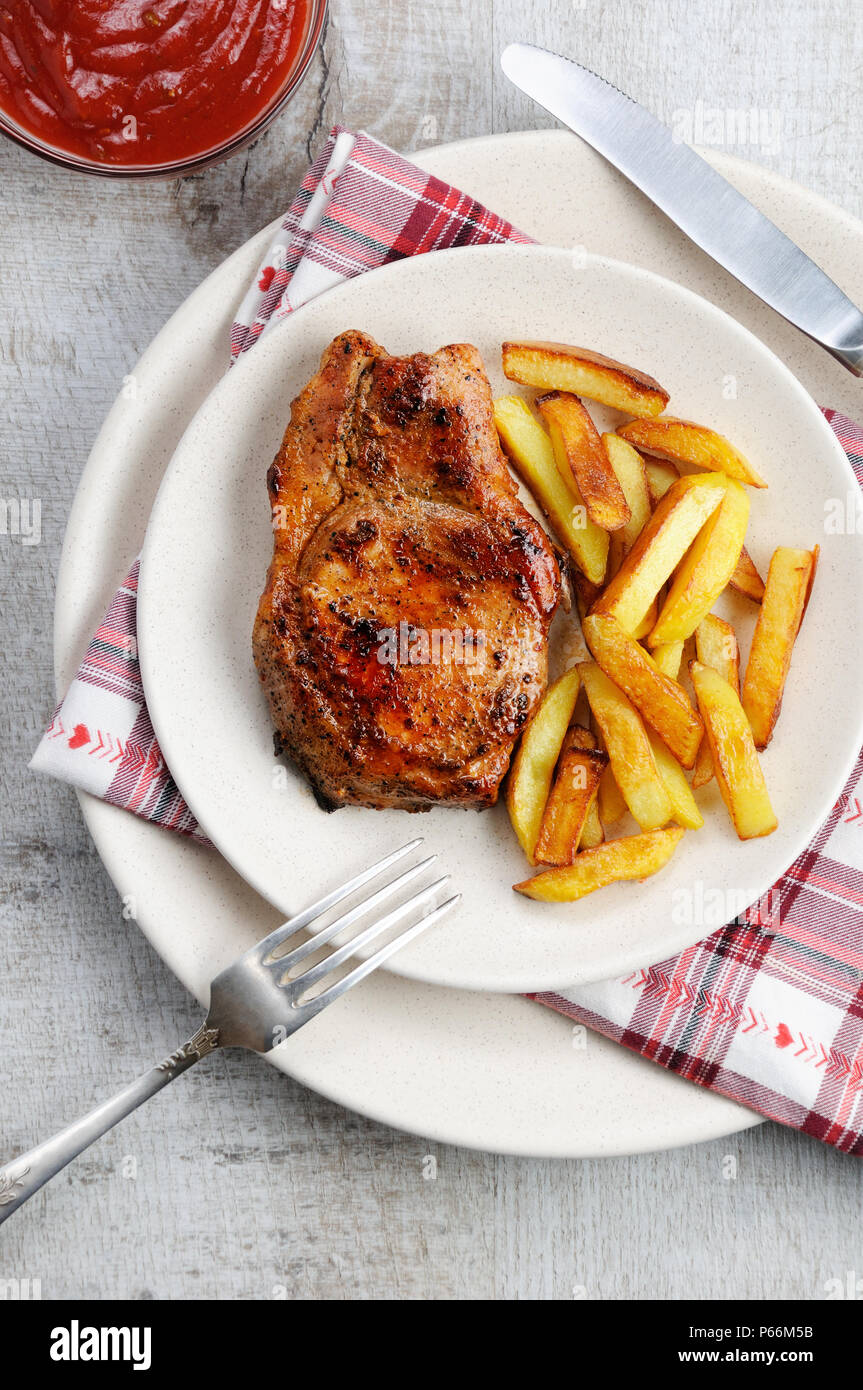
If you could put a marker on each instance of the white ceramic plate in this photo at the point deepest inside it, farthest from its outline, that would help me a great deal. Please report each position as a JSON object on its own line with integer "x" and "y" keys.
{"x": 486, "y": 1071}
{"x": 209, "y": 543}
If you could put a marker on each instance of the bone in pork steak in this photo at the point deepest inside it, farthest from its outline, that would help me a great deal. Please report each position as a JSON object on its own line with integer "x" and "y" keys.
{"x": 397, "y": 529}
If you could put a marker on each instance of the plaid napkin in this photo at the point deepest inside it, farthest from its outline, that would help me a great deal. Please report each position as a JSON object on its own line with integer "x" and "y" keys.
{"x": 769, "y": 1009}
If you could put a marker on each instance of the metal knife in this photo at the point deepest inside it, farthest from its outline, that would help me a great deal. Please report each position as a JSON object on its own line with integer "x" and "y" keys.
{"x": 701, "y": 202}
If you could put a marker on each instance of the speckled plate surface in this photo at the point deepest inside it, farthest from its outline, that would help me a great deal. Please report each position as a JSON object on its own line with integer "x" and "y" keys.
{"x": 209, "y": 543}
{"x": 487, "y": 1071}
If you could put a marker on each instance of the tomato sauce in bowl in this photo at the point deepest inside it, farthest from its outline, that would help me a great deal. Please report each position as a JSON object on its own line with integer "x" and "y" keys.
{"x": 148, "y": 84}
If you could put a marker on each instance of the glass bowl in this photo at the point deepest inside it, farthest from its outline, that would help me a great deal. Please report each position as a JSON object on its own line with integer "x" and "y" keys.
{"x": 317, "y": 14}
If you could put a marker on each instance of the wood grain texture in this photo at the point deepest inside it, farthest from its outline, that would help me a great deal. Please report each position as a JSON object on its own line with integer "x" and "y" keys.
{"x": 237, "y": 1183}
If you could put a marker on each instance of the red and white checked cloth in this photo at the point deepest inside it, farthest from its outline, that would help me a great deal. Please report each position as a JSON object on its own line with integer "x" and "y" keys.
{"x": 769, "y": 1009}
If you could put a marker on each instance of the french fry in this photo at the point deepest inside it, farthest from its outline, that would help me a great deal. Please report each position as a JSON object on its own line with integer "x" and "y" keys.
{"x": 683, "y": 805}
{"x": 705, "y": 569}
{"x": 716, "y": 646}
{"x": 672, "y": 528}
{"x": 682, "y": 441}
{"x": 786, "y": 594}
{"x": 626, "y": 741}
{"x": 582, "y": 459}
{"x": 632, "y": 856}
{"x": 746, "y": 579}
{"x": 735, "y": 761}
{"x": 659, "y": 477}
{"x": 529, "y": 780}
{"x": 616, "y": 555}
{"x": 530, "y": 449}
{"x": 560, "y": 367}
{"x": 668, "y": 657}
{"x": 592, "y": 834}
{"x": 660, "y": 701}
{"x": 628, "y": 468}
{"x": 586, "y": 593}
{"x": 609, "y": 800}
{"x": 576, "y": 779}
{"x": 685, "y": 811}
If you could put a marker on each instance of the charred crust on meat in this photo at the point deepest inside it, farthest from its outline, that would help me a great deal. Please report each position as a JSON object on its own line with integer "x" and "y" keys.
{"x": 399, "y": 509}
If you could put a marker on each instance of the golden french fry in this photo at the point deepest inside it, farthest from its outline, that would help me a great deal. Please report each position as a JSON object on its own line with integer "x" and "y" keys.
{"x": 705, "y": 569}
{"x": 609, "y": 800}
{"x": 682, "y": 441}
{"x": 660, "y": 477}
{"x": 672, "y": 528}
{"x": 572, "y": 794}
{"x": 592, "y": 834}
{"x": 735, "y": 761}
{"x": 668, "y": 657}
{"x": 586, "y": 593}
{"x": 685, "y": 811}
{"x": 581, "y": 458}
{"x": 626, "y": 741}
{"x": 632, "y": 856}
{"x": 746, "y": 579}
{"x": 786, "y": 594}
{"x": 560, "y": 367}
{"x": 683, "y": 807}
{"x": 530, "y": 449}
{"x": 716, "y": 646}
{"x": 661, "y": 702}
{"x": 529, "y": 780}
{"x": 628, "y": 468}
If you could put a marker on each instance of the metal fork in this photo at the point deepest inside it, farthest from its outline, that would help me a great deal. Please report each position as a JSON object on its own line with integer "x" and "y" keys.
{"x": 258, "y": 1002}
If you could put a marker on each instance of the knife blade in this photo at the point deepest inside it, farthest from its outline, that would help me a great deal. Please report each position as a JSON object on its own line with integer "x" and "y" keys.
{"x": 700, "y": 201}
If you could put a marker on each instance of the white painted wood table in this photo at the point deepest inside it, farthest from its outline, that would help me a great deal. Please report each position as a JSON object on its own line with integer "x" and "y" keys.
{"x": 237, "y": 1183}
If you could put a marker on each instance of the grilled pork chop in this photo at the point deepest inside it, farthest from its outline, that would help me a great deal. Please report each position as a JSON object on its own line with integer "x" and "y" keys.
{"x": 401, "y": 638}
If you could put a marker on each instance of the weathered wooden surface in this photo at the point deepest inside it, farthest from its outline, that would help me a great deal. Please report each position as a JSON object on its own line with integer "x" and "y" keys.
{"x": 241, "y": 1184}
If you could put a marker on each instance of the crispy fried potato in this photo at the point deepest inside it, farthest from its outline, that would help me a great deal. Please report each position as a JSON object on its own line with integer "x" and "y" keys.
{"x": 632, "y": 856}
{"x": 610, "y": 803}
{"x": 592, "y": 833}
{"x": 705, "y": 569}
{"x": 615, "y": 560}
{"x": 576, "y": 780}
{"x": 685, "y": 811}
{"x": 628, "y": 467}
{"x": 529, "y": 780}
{"x": 682, "y": 441}
{"x": 668, "y": 657}
{"x": 703, "y": 770}
{"x": 530, "y": 449}
{"x": 746, "y": 579}
{"x": 661, "y": 546}
{"x": 786, "y": 594}
{"x": 586, "y": 593}
{"x": 716, "y": 646}
{"x": 683, "y": 807}
{"x": 560, "y": 367}
{"x": 581, "y": 458}
{"x": 626, "y": 741}
{"x": 661, "y": 702}
{"x": 738, "y": 771}
{"x": 660, "y": 477}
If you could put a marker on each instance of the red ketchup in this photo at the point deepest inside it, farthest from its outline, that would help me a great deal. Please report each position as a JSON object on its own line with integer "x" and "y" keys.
{"x": 142, "y": 82}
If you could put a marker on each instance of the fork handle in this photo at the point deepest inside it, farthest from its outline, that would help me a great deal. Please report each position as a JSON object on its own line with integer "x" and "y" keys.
{"x": 25, "y": 1175}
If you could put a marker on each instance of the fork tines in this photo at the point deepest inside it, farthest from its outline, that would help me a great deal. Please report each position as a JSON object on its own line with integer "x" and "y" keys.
{"x": 407, "y": 920}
